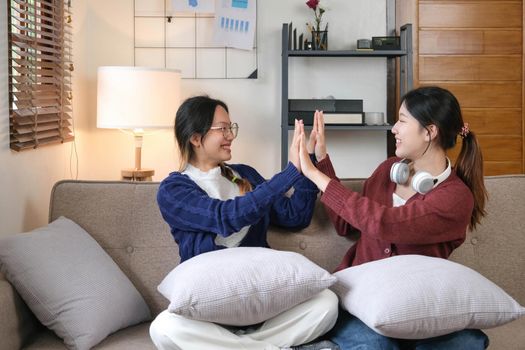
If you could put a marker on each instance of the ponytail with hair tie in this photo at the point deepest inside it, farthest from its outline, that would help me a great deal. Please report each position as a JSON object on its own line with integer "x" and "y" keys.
{"x": 465, "y": 131}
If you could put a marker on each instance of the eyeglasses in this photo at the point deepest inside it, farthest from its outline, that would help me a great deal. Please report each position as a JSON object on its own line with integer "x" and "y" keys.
{"x": 232, "y": 129}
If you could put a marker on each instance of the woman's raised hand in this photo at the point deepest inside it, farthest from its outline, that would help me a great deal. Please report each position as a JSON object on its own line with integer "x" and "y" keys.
{"x": 307, "y": 167}
{"x": 318, "y": 130}
{"x": 293, "y": 154}
{"x": 310, "y": 145}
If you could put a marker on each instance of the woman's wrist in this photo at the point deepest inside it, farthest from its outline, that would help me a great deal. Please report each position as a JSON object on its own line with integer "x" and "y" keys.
{"x": 319, "y": 179}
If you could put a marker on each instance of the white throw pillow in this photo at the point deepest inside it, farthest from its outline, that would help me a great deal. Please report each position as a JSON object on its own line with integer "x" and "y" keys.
{"x": 70, "y": 283}
{"x": 242, "y": 286}
{"x": 417, "y": 297}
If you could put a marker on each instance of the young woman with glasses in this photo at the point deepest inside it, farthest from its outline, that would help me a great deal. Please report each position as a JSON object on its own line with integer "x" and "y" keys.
{"x": 212, "y": 205}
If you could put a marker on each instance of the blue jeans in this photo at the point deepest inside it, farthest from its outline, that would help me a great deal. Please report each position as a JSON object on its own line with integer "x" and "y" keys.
{"x": 350, "y": 333}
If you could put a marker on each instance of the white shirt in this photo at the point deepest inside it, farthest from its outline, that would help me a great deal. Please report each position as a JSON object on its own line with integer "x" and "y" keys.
{"x": 218, "y": 187}
{"x": 397, "y": 200}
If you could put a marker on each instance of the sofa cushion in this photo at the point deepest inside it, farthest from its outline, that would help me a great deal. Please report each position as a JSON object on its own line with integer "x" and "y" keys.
{"x": 416, "y": 297}
{"x": 70, "y": 283}
{"x": 130, "y": 338}
{"x": 242, "y": 286}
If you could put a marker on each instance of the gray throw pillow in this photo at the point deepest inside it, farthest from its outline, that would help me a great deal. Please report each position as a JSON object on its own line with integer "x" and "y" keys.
{"x": 242, "y": 286}
{"x": 70, "y": 283}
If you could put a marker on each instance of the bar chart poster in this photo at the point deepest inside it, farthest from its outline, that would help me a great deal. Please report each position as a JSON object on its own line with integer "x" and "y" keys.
{"x": 235, "y": 23}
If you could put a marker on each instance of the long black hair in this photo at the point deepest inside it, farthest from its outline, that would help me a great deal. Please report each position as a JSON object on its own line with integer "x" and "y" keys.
{"x": 434, "y": 105}
{"x": 195, "y": 116}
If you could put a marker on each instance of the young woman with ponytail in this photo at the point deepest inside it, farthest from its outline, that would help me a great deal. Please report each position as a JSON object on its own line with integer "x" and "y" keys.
{"x": 415, "y": 203}
{"x": 211, "y": 205}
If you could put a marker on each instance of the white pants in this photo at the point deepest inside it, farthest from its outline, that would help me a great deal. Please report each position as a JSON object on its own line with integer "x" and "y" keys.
{"x": 301, "y": 324}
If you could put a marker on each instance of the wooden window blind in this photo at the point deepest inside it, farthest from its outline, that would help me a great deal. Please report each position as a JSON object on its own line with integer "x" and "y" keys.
{"x": 40, "y": 68}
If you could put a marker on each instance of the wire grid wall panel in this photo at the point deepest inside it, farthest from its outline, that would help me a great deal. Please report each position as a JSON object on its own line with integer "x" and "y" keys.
{"x": 175, "y": 40}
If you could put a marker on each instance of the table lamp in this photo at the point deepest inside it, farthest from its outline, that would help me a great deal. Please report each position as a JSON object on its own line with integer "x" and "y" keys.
{"x": 137, "y": 98}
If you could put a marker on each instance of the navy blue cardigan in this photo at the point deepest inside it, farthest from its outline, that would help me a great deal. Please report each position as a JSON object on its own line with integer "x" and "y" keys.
{"x": 196, "y": 219}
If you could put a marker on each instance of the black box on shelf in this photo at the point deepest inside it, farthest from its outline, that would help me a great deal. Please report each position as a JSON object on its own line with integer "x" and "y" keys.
{"x": 386, "y": 43}
{"x": 336, "y": 112}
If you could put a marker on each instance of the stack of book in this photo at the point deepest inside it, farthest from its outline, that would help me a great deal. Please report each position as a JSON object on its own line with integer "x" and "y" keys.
{"x": 336, "y": 112}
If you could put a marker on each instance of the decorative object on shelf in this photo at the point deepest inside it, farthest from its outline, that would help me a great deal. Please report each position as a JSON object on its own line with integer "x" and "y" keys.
{"x": 307, "y": 45}
{"x": 320, "y": 39}
{"x": 374, "y": 118}
{"x": 302, "y": 44}
{"x": 386, "y": 43}
{"x": 319, "y": 36}
{"x": 364, "y": 44}
{"x": 137, "y": 98}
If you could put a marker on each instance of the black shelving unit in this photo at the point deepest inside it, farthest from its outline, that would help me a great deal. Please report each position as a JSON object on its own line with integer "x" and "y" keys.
{"x": 405, "y": 83}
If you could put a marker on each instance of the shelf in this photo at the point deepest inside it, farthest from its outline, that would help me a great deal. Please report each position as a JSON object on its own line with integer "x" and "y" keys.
{"x": 402, "y": 83}
{"x": 349, "y": 127}
{"x": 346, "y": 53}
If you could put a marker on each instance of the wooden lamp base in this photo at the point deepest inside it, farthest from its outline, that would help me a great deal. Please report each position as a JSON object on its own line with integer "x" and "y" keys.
{"x": 137, "y": 175}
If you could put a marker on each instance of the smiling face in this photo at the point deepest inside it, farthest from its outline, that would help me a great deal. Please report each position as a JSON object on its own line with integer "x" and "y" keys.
{"x": 213, "y": 148}
{"x": 411, "y": 138}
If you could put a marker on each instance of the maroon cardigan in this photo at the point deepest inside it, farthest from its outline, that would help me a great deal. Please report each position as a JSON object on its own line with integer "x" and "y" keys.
{"x": 433, "y": 224}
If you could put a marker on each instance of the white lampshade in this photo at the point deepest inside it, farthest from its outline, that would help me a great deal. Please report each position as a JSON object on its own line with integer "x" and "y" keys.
{"x": 137, "y": 97}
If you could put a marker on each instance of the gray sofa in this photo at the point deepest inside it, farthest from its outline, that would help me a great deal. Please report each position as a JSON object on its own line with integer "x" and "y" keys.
{"x": 124, "y": 218}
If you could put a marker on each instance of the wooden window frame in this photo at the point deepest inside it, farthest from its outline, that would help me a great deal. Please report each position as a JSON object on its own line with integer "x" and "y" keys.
{"x": 40, "y": 69}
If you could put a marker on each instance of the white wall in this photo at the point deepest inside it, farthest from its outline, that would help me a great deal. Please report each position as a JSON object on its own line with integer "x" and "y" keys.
{"x": 103, "y": 35}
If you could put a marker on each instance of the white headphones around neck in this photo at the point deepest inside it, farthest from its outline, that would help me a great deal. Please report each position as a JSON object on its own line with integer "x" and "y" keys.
{"x": 422, "y": 181}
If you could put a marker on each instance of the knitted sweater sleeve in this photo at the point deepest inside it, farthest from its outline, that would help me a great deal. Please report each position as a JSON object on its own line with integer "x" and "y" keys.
{"x": 441, "y": 215}
{"x": 342, "y": 227}
{"x": 295, "y": 211}
{"x": 183, "y": 204}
